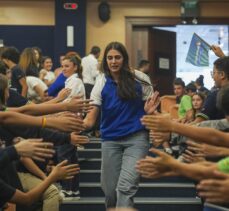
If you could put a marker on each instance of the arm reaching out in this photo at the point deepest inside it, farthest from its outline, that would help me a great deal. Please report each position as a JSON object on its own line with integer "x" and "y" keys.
{"x": 166, "y": 165}
{"x": 74, "y": 105}
{"x": 162, "y": 123}
{"x": 61, "y": 171}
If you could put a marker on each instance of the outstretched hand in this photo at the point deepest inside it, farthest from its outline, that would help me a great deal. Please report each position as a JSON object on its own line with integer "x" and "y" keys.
{"x": 152, "y": 103}
{"x": 158, "y": 123}
{"x": 150, "y": 167}
{"x": 35, "y": 149}
{"x": 76, "y": 104}
{"x": 158, "y": 138}
{"x": 67, "y": 122}
{"x": 78, "y": 139}
{"x": 64, "y": 171}
{"x": 215, "y": 190}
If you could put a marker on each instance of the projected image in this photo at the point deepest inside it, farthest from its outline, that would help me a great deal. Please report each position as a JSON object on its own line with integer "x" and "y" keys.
{"x": 212, "y": 34}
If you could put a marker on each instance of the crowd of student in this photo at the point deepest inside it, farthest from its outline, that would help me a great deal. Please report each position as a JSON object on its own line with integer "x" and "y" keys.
{"x": 25, "y": 80}
{"x": 128, "y": 105}
{"x": 201, "y": 135}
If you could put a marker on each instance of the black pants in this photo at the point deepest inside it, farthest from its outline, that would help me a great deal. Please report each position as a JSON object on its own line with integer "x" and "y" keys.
{"x": 88, "y": 89}
{"x": 68, "y": 152}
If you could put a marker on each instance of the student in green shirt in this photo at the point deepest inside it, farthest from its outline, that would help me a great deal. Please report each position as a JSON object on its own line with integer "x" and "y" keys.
{"x": 186, "y": 101}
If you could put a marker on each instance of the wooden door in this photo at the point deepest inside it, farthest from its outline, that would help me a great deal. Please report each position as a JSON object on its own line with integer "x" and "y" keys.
{"x": 162, "y": 56}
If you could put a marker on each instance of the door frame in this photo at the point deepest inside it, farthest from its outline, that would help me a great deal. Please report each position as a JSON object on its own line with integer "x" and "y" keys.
{"x": 131, "y": 21}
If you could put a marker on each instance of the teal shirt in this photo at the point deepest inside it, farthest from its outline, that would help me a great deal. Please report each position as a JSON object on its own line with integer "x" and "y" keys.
{"x": 184, "y": 106}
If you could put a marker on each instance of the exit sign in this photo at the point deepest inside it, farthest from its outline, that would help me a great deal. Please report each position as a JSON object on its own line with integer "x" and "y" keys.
{"x": 70, "y": 6}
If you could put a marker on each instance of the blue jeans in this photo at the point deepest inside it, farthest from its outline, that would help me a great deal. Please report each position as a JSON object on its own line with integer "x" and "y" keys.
{"x": 119, "y": 178}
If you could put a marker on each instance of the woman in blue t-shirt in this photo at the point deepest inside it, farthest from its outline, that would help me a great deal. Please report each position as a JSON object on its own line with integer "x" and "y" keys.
{"x": 120, "y": 93}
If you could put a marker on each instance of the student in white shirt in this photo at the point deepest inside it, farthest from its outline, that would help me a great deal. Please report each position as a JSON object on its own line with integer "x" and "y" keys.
{"x": 72, "y": 70}
{"x": 90, "y": 69}
{"x": 46, "y": 74}
{"x": 36, "y": 89}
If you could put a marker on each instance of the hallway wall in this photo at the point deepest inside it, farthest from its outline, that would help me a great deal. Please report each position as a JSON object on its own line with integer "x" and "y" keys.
{"x": 17, "y": 12}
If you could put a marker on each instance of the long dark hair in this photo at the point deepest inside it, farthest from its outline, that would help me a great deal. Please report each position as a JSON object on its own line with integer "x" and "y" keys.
{"x": 126, "y": 83}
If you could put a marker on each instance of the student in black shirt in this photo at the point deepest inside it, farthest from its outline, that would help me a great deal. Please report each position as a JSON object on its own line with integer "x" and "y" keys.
{"x": 26, "y": 148}
{"x": 10, "y": 56}
{"x": 220, "y": 76}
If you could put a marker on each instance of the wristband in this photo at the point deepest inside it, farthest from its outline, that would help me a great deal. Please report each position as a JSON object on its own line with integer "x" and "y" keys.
{"x": 44, "y": 120}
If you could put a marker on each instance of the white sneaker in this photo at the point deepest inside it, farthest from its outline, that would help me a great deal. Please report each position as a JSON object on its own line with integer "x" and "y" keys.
{"x": 76, "y": 195}
{"x": 66, "y": 195}
{"x": 80, "y": 147}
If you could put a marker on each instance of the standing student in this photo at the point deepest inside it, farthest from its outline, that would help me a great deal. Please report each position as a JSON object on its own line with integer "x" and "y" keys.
{"x": 144, "y": 66}
{"x": 120, "y": 93}
{"x": 90, "y": 69}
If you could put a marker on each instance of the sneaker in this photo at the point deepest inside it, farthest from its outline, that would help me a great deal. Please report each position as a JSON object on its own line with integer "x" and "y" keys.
{"x": 76, "y": 195}
{"x": 66, "y": 195}
{"x": 80, "y": 147}
{"x": 181, "y": 158}
{"x": 168, "y": 151}
{"x": 70, "y": 195}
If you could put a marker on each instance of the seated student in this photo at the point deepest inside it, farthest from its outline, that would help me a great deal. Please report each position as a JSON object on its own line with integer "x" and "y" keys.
{"x": 14, "y": 97}
{"x": 165, "y": 165}
{"x": 197, "y": 104}
{"x": 59, "y": 83}
{"x": 46, "y": 74}
{"x": 184, "y": 106}
{"x": 11, "y": 194}
{"x": 199, "y": 83}
{"x": 38, "y": 56}
{"x": 72, "y": 69}
{"x": 221, "y": 79}
{"x": 75, "y": 105}
{"x": 45, "y": 204}
{"x": 36, "y": 89}
{"x": 51, "y": 195}
{"x": 10, "y": 57}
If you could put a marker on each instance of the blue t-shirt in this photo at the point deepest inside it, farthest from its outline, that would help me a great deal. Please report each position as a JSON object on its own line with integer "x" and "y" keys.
{"x": 119, "y": 117}
{"x": 57, "y": 85}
